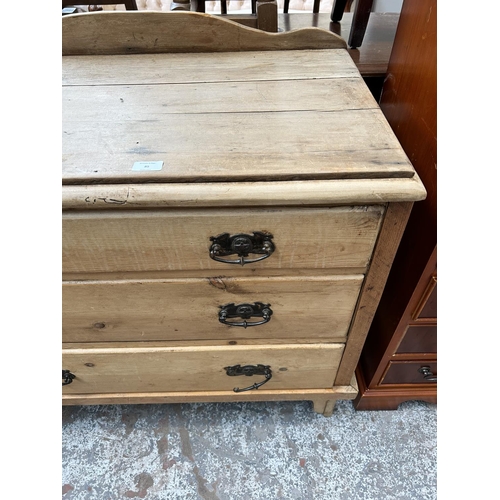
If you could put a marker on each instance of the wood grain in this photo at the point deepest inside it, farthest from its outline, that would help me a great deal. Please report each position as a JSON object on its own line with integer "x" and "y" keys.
{"x": 319, "y": 396}
{"x": 390, "y": 235}
{"x": 153, "y": 32}
{"x": 306, "y": 145}
{"x": 189, "y": 309}
{"x": 390, "y": 397}
{"x": 155, "y": 369}
{"x": 218, "y": 67}
{"x": 154, "y": 100}
{"x": 149, "y": 240}
{"x": 237, "y": 194}
{"x": 333, "y": 131}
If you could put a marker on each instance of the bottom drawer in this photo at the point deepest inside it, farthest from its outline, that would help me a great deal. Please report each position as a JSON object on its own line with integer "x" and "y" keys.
{"x": 166, "y": 369}
{"x": 406, "y": 372}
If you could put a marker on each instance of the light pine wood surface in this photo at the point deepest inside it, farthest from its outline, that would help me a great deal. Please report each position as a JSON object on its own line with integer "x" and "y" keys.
{"x": 282, "y": 138}
{"x": 157, "y": 369}
{"x": 189, "y": 309}
{"x": 320, "y": 397}
{"x": 390, "y": 235}
{"x": 155, "y": 240}
{"x": 152, "y": 32}
{"x": 238, "y": 194}
{"x": 207, "y": 68}
{"x": 333, "y": 131}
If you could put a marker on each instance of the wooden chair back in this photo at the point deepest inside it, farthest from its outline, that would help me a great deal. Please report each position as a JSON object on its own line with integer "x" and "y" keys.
{"x": 150, "y": 32}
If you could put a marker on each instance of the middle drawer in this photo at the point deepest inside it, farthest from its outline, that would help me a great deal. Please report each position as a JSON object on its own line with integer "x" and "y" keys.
{"x": 318, "y": 307}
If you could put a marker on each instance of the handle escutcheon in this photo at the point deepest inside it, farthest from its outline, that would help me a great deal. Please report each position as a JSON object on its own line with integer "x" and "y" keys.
{"x": 243, "y": 245}
{"x": 428, "y": 375}
{"x": 245, "y": 311}
{"x": 250, "y": 370}
{"x": 67, "y": 377}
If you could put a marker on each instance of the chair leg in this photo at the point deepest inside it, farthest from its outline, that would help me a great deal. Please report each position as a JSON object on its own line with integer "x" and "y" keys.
{"x": 359, "y": 22}
{"x": 254, "y": 6}
{"x": 130, "y": 4}
{"x": 286, "y": 4}
{"x": 338, "y": 8}
{"x": 315, "y": 6}
{"x": 199, "y": 5}
{"x": 223, "y": 7}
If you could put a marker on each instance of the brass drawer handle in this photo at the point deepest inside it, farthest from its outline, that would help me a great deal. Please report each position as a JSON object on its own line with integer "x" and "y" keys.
{"x": 245, "y": 311}
{"x": 428, "y": 375}
{"x": 67, "y": 377}
{"x": 249, "y": 370}
{"x": 241, "y": 245}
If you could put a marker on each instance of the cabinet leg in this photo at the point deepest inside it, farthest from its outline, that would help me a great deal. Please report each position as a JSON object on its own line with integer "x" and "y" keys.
{"x": 324, "y": 406}
{"x": 319, "y": 405}
{"x": 330, "y": 406}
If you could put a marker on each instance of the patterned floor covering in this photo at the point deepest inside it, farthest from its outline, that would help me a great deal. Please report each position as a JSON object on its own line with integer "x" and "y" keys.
{"x": 254, "y": 451}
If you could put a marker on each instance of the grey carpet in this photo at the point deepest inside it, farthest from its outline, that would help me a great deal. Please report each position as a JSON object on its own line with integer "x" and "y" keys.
{"x": 240, "y": 451}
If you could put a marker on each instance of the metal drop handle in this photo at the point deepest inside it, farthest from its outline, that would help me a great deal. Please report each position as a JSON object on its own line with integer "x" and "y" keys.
{"x": 428, "y": 375}
{"x": 243, "y": 245}
{"x": 245, "y": 311}
{"x": 67, "y": 377}
{"x": 250, "y": 370}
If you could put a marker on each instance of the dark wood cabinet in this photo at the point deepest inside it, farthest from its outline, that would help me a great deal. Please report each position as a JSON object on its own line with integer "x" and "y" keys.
{"x": 399, "y": 359}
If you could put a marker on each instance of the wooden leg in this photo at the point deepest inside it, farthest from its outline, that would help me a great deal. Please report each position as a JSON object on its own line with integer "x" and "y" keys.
{"x": 198, "y": 5}
{"x": 359, "y": 22}
{"x": 338, "y": 8}
{"x": 330, "y": 406}
{"x": 267, "y": 15}
{"x": 319, "y": 405}
{"x": 316, "y": 6}
{"x": 324, "y": 406}
{"x": 130, "y": 4}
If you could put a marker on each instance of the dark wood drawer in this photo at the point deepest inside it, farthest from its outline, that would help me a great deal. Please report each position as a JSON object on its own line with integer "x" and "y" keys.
{"x": 405, "y": 372}
{"x": 419, "y": 338}
{"x": 427, "y": 307}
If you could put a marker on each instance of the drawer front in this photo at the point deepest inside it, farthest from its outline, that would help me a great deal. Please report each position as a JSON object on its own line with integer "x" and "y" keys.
{"x": 157, "y": 369}
{"x": 168, "y": 240}
{"x": 419, "y": 339}
{"x": 427, "y": 308}
{"x": 404, "y": 372}
{"x": 192, "y": 309}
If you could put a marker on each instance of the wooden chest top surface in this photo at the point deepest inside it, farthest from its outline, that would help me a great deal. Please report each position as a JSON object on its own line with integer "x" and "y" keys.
{"x": 223, "y": 117}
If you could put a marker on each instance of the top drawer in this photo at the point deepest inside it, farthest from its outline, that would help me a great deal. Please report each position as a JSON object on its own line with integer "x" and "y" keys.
{"x": 168, "y": 240}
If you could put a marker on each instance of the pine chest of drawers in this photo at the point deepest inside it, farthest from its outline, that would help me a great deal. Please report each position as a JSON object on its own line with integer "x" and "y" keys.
{"x": 229, "y": 221}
